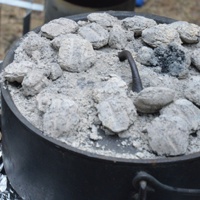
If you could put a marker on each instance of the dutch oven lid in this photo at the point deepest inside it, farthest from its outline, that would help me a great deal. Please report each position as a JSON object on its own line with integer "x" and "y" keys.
{"x": 6, "y": 96}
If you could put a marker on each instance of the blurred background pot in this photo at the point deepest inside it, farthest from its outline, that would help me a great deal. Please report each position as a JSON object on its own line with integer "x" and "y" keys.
{"x": 59, "y": 8}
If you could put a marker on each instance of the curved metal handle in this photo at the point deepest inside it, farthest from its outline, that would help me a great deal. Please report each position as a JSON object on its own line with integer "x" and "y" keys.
{"x": 137, "y": 83}
{"x": 152, "y": 183}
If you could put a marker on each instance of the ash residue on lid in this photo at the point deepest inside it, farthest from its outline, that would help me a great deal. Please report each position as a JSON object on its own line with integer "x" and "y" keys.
{"x": 72, "y": 85}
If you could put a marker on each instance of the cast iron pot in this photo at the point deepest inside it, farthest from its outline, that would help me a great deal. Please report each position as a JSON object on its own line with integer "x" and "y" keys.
{"x": 59, "y": 8}
{"x": 41, "y": 168}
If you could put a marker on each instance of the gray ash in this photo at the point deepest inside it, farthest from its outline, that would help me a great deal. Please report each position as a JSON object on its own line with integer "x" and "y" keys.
{"x": 92, "y": 86}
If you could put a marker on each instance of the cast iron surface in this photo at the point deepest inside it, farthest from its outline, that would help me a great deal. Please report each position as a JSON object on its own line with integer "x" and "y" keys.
{"x": 42, "y": 168}
{"x": 97, "y": 4}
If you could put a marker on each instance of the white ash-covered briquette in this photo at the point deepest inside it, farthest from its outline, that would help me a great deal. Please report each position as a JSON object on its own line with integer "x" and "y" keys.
{"x": 43, "y": 100}
{"x": 176, "y": 122}
{"x": 152, "y": 99}
{"x": 195, "y": 58}
{"x": 168, "y": 135}
{"x": 192, "y": 90}
{"x": 95, "y": 34}
{"x": 61, "y": 117}
{"x": 58, "y": 27}
{"x": 189, "y": 33}
{"x": 137, "y": 24}
{"x": 104, "y": 19}
{"x": 184, "y": 109}
{"x": 115, "y": 110}
{"x": 34, "y": 82}
{"x": 76, "y": 55}
{"x": 160, "y": 34}
{"x": 110, "y": 87}
{"x": 117, "y": 113}
{"x": 17, "y": 71}
{"x": 57, "y": 41}
{"x": 35, "y": 48}
{"x": 151, "y": 78}
{"x": 146, "y": 56}
{"x": 118, "y": 37}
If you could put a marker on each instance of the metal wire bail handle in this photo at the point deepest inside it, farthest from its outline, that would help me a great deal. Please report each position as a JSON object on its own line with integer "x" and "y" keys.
{"x": 144, "y": 182}
{"x": 136, "y": 80}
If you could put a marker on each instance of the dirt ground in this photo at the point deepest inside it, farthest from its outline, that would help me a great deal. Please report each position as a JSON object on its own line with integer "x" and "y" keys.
{"x": 11, "y": 25}
{"x": 186, "y": 10}
{"x": 11, "y": 18}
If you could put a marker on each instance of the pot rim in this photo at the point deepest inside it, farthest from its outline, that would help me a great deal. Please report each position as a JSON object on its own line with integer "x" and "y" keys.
{"x": 58, "y": 144}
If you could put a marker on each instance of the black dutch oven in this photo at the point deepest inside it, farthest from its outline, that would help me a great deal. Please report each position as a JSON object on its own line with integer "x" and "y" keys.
{"x": 41, "y": 168}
